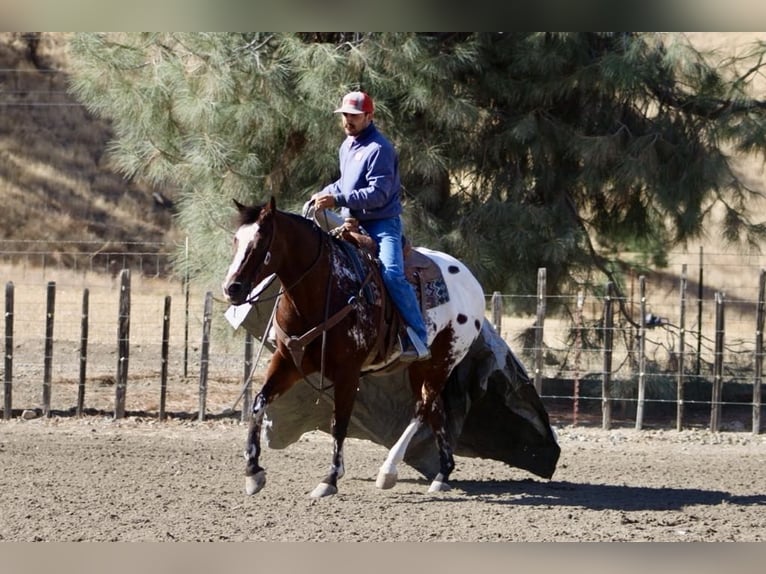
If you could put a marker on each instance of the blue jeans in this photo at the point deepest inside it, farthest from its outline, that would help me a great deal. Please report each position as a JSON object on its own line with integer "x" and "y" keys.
{"x": 388, "y": 235}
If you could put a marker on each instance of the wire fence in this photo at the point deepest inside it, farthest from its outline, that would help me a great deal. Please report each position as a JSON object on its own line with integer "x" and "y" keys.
{"x": 667, "y": 353}
{"x": 654, "y": 357}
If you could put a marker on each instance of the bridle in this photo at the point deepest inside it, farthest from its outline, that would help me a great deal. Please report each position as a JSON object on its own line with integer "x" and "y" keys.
{"x": 303, "y": 275}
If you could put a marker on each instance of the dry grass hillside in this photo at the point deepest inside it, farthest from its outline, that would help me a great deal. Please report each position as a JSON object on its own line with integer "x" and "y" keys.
{"x": 55, "y": 180}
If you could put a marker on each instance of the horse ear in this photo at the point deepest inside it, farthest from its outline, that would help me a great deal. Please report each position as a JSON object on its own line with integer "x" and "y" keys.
{"x": 239, "y": 206}
{"x": 273, "y": 204}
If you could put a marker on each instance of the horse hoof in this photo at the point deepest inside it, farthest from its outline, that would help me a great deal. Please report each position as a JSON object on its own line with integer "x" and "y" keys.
{"x": 253, "y": 484}
{"x": 439, "y": 486}
{"x": 386, "y": 480}
{"x": 323, "y": 489}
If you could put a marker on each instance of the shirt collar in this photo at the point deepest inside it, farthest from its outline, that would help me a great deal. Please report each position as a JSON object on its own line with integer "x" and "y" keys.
{"x": 364, "y": 135}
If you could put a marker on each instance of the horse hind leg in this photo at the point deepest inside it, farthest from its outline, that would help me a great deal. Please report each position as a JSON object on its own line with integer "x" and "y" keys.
{"x": 446, "y": 457}
{"x": 388, "y": 475}
{"x": 431, "y": 409}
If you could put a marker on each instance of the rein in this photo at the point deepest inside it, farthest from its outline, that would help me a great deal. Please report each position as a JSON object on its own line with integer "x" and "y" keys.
{"x": 297, "y": 345}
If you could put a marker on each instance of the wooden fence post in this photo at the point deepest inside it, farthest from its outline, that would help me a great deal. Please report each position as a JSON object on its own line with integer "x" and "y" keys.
{"x": 539, "y": 329}
{"x": 759, "y": 320}
{"x": 497, "y": 312}
{"x": 186, "y": 308}
{"x": 164, "y": 360}
{"x": 681, "y": 353}
{"x": 205, "y": 354}
{"x": 123, "y": 345}
{"x": 641, "y": 354}
{"x": 50, "y": 311}
{"x": 715, "y": 402}
{"x": 700, "y": 293}
{"x": 8, "y": 374}
{"x": 578, "y": 353}
{"x": 606, "y": 377}
{"x": 83, "y": 351}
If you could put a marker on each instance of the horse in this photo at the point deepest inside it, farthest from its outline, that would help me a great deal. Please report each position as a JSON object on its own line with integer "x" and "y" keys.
{"x": 331, "y": 317}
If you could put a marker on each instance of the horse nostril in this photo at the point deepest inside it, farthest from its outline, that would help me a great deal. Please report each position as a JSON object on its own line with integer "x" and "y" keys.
{"x": 234, "y": 289}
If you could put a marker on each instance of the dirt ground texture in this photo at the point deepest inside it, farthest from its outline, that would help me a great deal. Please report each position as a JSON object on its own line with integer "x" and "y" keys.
{"x": 137, "y": 479}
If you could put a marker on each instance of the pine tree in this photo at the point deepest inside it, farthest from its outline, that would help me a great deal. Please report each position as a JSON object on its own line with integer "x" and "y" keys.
{"x": 517, "y": 150}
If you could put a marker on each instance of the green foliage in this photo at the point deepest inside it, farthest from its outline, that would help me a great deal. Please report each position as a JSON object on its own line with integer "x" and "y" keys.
{"x": 517, "y": 150}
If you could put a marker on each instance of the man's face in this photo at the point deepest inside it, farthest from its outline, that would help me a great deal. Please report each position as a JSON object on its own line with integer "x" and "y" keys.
{"x": 353, "y": 124}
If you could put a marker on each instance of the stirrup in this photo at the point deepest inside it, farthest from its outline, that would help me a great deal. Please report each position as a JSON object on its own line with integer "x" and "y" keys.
{"x": 416, "y": 342}
{"x": 415, "y": 351}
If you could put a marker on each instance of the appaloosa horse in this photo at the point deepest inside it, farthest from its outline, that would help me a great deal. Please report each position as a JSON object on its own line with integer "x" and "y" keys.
{"x": 331, "y": 318}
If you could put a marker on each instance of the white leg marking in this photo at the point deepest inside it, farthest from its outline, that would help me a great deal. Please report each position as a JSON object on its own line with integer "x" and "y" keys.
{"x": 323, "y": 490}
{"x": 387, "y": 474}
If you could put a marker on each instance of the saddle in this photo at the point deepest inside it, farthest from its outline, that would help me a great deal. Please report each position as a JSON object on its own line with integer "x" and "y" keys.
{"x": 421, "y": 272}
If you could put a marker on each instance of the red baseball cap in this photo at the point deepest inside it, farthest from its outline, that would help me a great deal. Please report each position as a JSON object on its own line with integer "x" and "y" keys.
{"x": 355, "y": 103}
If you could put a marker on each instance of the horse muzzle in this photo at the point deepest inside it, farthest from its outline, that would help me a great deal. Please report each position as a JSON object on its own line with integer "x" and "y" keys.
{"x": 236, "y": 292}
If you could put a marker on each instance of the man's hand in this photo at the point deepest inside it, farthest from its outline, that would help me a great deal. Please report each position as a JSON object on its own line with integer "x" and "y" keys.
{"x": 323, "y": 201}
{"x": 351, "y": 224}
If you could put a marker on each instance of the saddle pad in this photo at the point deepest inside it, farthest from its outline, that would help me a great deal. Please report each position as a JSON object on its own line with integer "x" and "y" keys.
{"x": 426, "y": 277}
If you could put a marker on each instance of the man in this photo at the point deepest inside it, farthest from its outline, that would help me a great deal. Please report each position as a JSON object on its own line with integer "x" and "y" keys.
{"x": 369, "y": 190}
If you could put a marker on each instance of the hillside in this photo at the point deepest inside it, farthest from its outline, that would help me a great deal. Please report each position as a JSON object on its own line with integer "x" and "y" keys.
{"x": 56, "y": 183}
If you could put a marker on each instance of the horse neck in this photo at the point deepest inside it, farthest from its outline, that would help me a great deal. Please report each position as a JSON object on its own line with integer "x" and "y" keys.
{"x": 305, "y": 261}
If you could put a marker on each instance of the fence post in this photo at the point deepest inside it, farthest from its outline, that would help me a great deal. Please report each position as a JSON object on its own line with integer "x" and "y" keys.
{"x": 205, "y": 353}
{"x": 8, "y": 374}
{"x": 50, "y": 311}
{"x": 497, "y": 312}
{"x": 164, "y": 360}
{"x": 539, "y": 329}
{"x": 715, "y": 403}
{"x": 83, "y": 351}
{"x": 681, "y": 353}
{"x": 759, "y": 320}
{"x": 186, "y": 309}
{"x": 578, "y": 352}
{"x": 606, "y": 377}
{"x": 641, "y": 354}
{"x": 123, "y": 345}
{"x": 700, "y": 292}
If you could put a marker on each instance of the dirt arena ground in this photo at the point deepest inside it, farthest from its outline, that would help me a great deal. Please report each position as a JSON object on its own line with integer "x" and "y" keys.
{"x": 97, "y": 479}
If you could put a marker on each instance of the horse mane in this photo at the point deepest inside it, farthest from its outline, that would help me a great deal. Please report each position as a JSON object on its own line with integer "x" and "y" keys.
{"x": 251, "y": 213}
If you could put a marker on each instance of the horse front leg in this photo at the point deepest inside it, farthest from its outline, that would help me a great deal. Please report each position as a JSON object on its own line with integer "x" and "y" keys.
{"x": 280, "y": 376}
{"x": 255, "y": 474}
{"x": 345, "y": 394}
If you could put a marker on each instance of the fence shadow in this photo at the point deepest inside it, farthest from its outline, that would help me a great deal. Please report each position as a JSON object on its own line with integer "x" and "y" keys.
{"x": 91, "y": 412}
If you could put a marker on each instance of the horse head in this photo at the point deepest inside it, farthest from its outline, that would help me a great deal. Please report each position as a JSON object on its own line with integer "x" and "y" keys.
{"x": 253, "y": 258}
